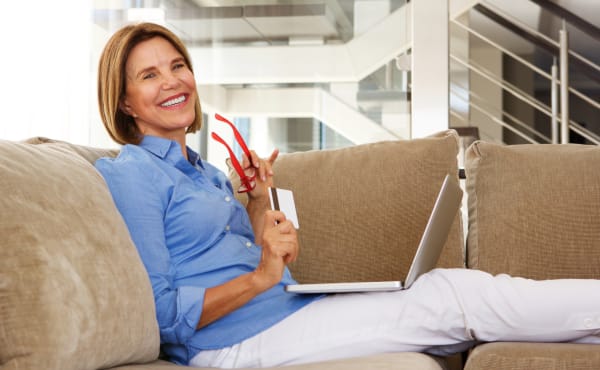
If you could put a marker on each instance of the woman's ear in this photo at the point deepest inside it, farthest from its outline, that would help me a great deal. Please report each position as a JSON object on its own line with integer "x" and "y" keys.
{"x": 126, "y": 108}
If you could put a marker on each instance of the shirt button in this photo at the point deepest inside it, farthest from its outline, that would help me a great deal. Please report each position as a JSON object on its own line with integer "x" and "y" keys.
{"x": 227, "y": 228}
{"x": 228, "y": 199}
{"x": 248, "y": 245}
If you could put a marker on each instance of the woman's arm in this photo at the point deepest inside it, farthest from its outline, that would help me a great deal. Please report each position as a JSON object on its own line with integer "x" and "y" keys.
{"x": 139, "y": 194}
{"x": 280, "y": 247}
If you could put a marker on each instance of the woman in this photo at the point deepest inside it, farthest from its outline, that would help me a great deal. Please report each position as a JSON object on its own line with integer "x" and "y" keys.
{"x": 218, "y": 270}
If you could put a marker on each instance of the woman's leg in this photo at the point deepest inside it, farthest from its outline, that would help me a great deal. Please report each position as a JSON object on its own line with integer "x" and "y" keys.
{"x": 504, "y": 308}
{"x": 445, "y": 311}
{"x": 350, "y": 325}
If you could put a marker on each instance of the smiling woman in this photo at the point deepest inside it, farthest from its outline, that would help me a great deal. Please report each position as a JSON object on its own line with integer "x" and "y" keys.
{"x": 160, "y": 91}
{"x": 160, "y": 87}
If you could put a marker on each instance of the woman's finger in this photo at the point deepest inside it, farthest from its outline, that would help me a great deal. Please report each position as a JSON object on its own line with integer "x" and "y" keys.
{"x": 273, "y": 156}
{"x": 255, "y": 159}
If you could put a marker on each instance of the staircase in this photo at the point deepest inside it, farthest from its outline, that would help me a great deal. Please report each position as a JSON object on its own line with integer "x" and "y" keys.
{"x": 520, "y": 79}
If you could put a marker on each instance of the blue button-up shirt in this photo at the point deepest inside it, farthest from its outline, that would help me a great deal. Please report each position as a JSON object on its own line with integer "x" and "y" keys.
{"x": 191, "y": 234}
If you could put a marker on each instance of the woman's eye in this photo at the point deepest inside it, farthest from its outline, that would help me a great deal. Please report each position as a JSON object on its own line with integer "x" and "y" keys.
{"x": 148, "y": 76}
{"x": 179, "y": 65}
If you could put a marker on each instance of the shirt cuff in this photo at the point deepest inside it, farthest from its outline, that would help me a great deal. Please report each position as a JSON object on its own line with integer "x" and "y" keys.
{"x": 190, "y": 301}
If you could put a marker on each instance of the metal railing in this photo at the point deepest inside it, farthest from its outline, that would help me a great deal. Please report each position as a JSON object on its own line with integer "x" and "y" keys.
{"x": 558, "y": 110}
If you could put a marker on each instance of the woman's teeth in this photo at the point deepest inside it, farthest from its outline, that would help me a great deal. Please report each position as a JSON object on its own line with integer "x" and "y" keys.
{"x": 171, "y": 102}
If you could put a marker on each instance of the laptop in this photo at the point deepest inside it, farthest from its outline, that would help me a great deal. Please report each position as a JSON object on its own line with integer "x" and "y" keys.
{"x": 425, "y": 259}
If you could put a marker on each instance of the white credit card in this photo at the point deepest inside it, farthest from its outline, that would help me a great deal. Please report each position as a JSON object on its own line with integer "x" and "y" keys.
{"x": 283, "y": 200}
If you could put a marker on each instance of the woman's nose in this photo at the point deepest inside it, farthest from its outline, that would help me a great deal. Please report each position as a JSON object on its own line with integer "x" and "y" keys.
{"x": 170, "y": 81}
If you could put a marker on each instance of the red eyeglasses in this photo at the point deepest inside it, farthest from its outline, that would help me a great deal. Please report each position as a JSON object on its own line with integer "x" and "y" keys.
{"x": 247, "y": 181}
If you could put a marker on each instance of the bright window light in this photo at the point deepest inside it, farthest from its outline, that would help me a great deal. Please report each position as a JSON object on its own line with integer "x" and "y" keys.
{"x": 156, "y": 15}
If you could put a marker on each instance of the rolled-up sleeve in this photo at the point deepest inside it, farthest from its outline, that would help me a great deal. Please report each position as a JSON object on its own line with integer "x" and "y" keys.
{"x": 142, "y": 200}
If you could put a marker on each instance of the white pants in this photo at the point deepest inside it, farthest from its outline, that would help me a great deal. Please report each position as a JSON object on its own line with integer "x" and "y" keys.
{"x": 445, "y": 311}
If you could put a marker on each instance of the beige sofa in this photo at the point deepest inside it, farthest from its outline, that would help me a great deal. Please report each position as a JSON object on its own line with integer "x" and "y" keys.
{"x": 74, "y": 294}
{"x": 534, "y": 211}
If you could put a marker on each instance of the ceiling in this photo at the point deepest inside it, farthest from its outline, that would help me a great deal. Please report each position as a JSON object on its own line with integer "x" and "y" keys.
{"x": 329, "y": 22}
{"x": 235, "y": 22}
{"x": 288, "y": 22}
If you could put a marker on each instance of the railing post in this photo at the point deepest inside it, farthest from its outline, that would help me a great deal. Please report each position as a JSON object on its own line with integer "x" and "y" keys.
{"x": 554, "y": 102}
{"x": 564, "y": 84}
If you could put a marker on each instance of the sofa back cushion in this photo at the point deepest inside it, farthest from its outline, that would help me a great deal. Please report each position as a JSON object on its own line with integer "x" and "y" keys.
{"x": 534, "y": 210}
{"x": 362, "y": 209}
{"x": 73, "y": 291}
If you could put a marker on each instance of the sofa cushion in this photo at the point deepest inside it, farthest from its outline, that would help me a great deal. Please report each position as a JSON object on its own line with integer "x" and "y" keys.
{"x": 530, "y": 356}
{"x": 90, "y": 154}
{"x": 534, "y": 210}
{"x": 385, "y": 361}
{"x": 362, "y": 209}
{"x": 73, "y": 291}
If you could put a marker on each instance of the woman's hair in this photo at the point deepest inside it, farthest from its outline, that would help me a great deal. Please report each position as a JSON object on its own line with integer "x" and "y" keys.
{"x": 112, "y": 79}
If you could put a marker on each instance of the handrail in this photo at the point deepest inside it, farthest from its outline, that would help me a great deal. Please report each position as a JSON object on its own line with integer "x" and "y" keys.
{"x": 458, "y": 116}
{"x": 501, "y": 48}
{"x": 516, "y": 120}
{"x": 554, "y": 48}
{"x": 504, "y": 85}
{"x": 500, "y": 122}
{"x": 541, "y": 35}
{"x": 527, "y": 63}
{"x": 582, "y": 63}
{"x": 576, "y": 127}
{"x": 570, "y": 17}
{"x": 532, "y": 102}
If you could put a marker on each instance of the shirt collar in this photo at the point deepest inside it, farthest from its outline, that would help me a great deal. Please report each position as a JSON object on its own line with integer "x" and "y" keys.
{"x": 165, "y": 148}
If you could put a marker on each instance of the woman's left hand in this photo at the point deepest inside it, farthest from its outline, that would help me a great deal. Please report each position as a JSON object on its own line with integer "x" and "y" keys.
{"x": 263, "y": 169}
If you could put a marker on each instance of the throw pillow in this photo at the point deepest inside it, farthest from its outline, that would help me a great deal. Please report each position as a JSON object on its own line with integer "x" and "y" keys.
{"x": 362, "y": 209}
{"x": 534, "y": 210}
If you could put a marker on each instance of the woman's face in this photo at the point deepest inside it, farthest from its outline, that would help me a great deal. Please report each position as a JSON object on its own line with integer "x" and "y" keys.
{"x": 160, "y": 91}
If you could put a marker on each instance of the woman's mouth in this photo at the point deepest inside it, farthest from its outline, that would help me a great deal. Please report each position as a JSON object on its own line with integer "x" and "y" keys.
{"x": 174, "y": 101}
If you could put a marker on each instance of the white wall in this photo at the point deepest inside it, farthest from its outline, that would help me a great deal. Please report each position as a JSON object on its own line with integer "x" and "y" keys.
{"x": 46, "y": 72}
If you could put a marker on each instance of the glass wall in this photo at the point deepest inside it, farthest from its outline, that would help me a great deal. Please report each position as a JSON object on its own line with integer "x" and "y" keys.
{"x": 296, "y": 75}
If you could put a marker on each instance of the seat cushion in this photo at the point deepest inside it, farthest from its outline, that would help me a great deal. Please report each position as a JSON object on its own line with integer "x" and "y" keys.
{"x": 362, "y": 209}
{"x": 534, "y": 210}
{"x": 73, "y": 291}
{"x": 534, "y": 356}
{"x": 386, "y": 361}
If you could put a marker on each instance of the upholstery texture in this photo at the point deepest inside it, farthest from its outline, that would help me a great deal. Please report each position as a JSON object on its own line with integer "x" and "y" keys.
{"x": 534, "y": 210}
{"x": 88, "y": 153}
{"x": 527, "y": 356}
{"x": 406, "y": 360}
{"x": 362, "y": 210}
{"x": 73, "y": 291}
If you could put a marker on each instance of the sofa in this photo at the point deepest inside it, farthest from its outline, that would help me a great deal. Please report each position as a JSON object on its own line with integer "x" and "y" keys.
{"x": 74, "y": 293}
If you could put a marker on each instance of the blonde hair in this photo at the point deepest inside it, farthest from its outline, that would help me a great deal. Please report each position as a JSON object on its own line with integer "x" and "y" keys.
{"x": 112, "y": 79}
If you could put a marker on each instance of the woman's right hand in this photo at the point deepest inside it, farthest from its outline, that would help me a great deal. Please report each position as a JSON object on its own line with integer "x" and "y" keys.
{"x": 280, "y": 247}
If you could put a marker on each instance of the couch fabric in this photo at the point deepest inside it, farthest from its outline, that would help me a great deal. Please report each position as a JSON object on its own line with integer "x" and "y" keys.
{"x": 534, "y": 210}
{"x": 74, "y": 294}
{"x": 63, "y": 218}
{"x": 538, "y": 356}
{"x": 409, "y": 360}
{"x": 370, "y": 201}
{"x": 73, "y": 291}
